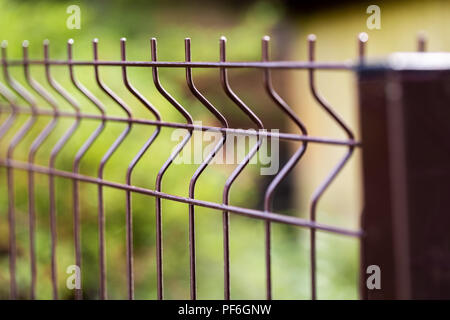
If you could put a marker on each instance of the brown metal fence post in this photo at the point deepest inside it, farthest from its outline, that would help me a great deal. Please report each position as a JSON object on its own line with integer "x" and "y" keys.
{"x": 405, "y": 125}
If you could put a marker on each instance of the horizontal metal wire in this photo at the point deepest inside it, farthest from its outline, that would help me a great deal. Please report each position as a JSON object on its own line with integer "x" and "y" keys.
{"x": 299, "y": 65}
{"x": 231, "y": 131}
{"x": 258, "y": 214}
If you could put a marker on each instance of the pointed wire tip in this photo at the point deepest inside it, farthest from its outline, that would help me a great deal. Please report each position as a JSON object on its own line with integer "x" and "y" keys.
{"x": 363, "y": 37}
{"x": 422, "y": 36}
{"x": 422, "y": 33}
{"x": 70, "y": 41}
{"x": 266, "y": 38}
{"x": 421, "y": 41}
{"x": 312, "y": 37}
{"x": 25, "y": 43}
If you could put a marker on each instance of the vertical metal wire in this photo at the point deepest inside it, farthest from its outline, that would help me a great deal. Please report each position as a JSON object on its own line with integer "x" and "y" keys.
{"x": 36, "y": 144}
{"x": 290, "y": 164}
{"x": 31, "y": 195}
{"x": 25, "y": 128}
{"x": 158, "y": 184}
{"x": 421, "y": 42}
{"x": 203, "y": 165}
{"x": 53, "y": 155}
{"x": 226, "y": 192}
{"x": 131, "y": 166}
{"x": 104, "y": 160}
{"x": 362, "y": 48}
{"x": 332, "y": 175}
{"x": 78, "y": 156}
{"x": 8, "y": 95}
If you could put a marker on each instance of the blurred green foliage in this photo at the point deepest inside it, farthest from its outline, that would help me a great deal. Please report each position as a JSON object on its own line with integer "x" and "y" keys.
{"x": 170, "y": 24}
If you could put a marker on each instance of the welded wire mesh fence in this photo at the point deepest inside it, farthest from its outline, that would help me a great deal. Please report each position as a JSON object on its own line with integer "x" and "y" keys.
{"x": 22, "y": 105}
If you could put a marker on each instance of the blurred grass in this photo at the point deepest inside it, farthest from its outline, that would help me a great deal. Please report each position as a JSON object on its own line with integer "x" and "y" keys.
{"x": 138, "y": 21}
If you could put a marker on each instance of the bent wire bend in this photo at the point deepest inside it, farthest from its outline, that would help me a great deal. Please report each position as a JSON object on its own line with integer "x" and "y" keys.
{"x": 116, "y": 144}
{"x": 9, "y": 97}
{"x": 290, "y": 164}
{"x": 131, "y": 166}
{"x": 164, "y": 168}
{"x": 226, "y": 192}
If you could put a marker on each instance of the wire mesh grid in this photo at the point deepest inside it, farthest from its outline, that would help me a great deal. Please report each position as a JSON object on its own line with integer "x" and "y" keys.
{"x": 10, "y": 89}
